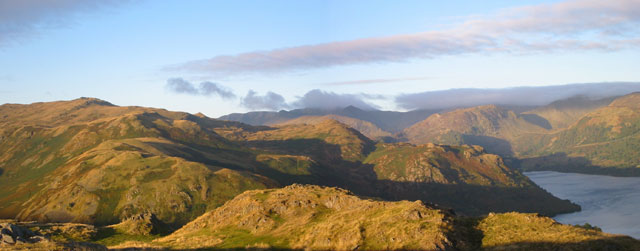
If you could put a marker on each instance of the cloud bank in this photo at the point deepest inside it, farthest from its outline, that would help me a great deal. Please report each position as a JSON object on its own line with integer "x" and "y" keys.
{"x": 374, "y": 81}
{"x": 331, "y": 100}
{"x": 571, "y": 25}
{"x": 20, "y": 18}
{"x": 524, "y": 96}
{"x": 317, "y": 99}
{"x": 179, "y": 85}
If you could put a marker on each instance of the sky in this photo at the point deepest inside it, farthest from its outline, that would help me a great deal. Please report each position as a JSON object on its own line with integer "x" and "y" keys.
{"x": 219, "y": 57}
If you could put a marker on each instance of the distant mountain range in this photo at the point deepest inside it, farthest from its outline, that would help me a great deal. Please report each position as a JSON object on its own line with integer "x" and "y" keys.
{"x": 548, "y": 137}
{"x": 388, "y": 121}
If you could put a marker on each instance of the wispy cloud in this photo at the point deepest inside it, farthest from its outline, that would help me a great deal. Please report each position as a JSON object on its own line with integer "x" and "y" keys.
{"x": 179, "y": 85}
{"x": 525, "y": 96}
{"x": 21, "y": 18}
{"x": 374, "y": 81}
{"x": 570, "y": 25}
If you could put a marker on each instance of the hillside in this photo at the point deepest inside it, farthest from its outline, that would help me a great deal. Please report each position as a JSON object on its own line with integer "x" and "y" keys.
{"x": 320, "y": 218}
{"x": 315, "y": 218}
{"x": 464, "y": 178}
{"x": 576, "y": 134}
{"x": 604, "y": 138}
{"x": 89, "y": 161}
{"x": 562, "y": 113}
{"x": 367, "y": 128}
{"x": 490, "y": 126}
{"x": 341, "y": 156}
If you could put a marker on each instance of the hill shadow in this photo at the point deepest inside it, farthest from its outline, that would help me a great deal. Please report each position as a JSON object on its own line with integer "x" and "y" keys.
{"x": 490, "y": 144}
{"x": 610, "y": 243}
{"x": 329, "y": 168}
{"x": 561, "y": 162}
{"x": 468, "y": 238}
{"x": 536, "y": 120}
{"x": 362, "y": 180}
{"x": 476, "y": 200}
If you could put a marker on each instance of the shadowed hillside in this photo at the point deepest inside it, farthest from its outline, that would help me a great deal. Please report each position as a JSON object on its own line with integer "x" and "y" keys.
{"x": 562, "y": 113}
{"x": 490, "y": 126}
{"x": 577, "y": 134}
{"x": 608, "y": 137}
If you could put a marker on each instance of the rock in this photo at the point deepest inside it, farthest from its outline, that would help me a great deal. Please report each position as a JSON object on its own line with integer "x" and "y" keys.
{"x": 17, "y": 231}
{"x": 7, "y": 236}
{"x": 36, "y": 239}
{"x": 140, "y": 224}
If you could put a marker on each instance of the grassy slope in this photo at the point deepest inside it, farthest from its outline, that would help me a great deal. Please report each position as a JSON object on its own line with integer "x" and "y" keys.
{"x": 88, "y": 161}
{"x": 314, "y": 217}
{"x": 606, "y": 137}
{"x": 490, "y": 126}
{"x": 367, "y": 128}
{"x": 516, "y": 231}
{"x": 576, "y": 134}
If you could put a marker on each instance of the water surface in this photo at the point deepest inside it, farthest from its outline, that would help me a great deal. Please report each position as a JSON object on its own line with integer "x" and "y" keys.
{"x": 611, "y": 203}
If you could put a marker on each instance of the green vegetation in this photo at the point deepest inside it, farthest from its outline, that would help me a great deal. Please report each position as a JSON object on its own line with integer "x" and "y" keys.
{"x": 110, "y": 236}
{"x": 530, "y": 232}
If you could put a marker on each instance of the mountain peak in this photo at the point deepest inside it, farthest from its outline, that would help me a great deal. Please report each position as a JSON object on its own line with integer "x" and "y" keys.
{"x": 87, "y": 101}
{"x": 352, "y": 108}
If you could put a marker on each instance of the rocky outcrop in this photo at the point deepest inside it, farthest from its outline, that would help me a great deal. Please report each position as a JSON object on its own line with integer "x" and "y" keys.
{"x": 17, "y": 237}
{"x": 141, "y": 224}
{"x": 314, "y": 217}
{"x": 11, "y": 234}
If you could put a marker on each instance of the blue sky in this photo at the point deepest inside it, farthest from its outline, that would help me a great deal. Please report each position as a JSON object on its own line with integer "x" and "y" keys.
{"x": 128, "y": 52}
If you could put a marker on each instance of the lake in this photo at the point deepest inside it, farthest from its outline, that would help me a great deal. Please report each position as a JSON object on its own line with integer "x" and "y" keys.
{"x": 611, "y": 203}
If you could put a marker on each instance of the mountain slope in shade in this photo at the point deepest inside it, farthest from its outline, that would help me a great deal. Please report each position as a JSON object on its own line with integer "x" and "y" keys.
{"x": 367, "y": 128}
{"x": 606, "y": 137}
{"x": 464, "y": 178}
{"x": 434, "y": 173}
{"x": 562, "y": 113}
{"x": 320, "y": 218}
{"x": 389, "y": 121}
{"x": 490, "y": 126}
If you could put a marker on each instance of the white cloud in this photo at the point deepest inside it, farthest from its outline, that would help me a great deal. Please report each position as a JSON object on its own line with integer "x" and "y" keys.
{"x": 525, "y": 96}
